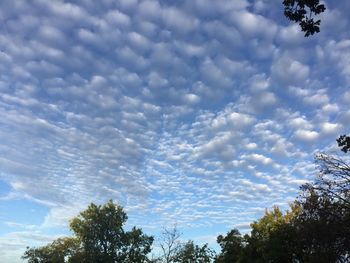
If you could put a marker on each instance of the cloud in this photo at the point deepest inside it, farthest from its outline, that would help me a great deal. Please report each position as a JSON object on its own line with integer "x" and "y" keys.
{"x": 118, "y": 18}
{"x": 307, "y": 136}
{"x": 291, "y": 35}
{"x": 258, "y": 158}
{"x": 254, "y": 25}
{"x": 289, "y": 70}
{"x": 176, "y": 19}
{"x": 331, "y": 128}
{"x": 318, "y": 98}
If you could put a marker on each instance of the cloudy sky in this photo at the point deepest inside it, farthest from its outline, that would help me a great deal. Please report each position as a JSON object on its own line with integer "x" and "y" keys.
{"x": 200, "y": 113}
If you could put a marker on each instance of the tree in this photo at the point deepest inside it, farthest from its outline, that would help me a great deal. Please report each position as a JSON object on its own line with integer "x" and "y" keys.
{"x": 99, "y": 238}
{"x": 333, "y": 180}
{"x": 272, "y": 238}
{"x": 322, "y": 228}
{"x": 326, "y": 208}
{"x": 303, "y": 12}
{"x": 231, "y": 247}
{"x": 170, "y": 244}
{"x": 192, "y": 253}
{"x": 56, "y": 252}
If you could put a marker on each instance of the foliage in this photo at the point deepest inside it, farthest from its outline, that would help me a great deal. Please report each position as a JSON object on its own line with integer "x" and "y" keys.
{"x": 272, "y": 238}
{"x": 326, "y": 208}
{"x": 322, "y": 228}
{"x": 56, "y": 252}
{"x": 302, "y": 12}
{"x": 99, "y": 237}
{"x": 192, "y": 253}
{"x": 344, "y": 142}
{"x": 231, "y": 246}
{"x": 100, "y": 229}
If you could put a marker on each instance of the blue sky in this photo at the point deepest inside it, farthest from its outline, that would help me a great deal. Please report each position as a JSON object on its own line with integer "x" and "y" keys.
{"x": 197, "y": 113}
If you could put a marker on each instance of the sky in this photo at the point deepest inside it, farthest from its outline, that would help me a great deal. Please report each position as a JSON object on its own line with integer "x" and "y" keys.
{"x": 197, "y": 113}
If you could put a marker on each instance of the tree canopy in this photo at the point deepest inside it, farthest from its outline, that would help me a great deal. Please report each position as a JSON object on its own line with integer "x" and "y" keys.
{"x": 193, "y": 253}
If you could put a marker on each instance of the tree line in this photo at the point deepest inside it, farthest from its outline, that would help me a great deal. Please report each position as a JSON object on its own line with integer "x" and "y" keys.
{"x": 316, "y": 228}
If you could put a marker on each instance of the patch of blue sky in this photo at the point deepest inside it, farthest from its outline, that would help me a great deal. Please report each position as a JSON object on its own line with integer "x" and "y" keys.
{"x": 4, "y": 189}
{"x": 21, "y": 214}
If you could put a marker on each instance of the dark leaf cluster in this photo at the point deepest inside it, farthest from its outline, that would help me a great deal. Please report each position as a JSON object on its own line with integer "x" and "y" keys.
{"x": 344, "y": 143}
{"x": 303, "y": 12}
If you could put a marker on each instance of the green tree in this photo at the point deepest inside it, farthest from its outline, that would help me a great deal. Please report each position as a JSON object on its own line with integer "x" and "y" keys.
{"x": 231, "y": 247}
{"x": 303, "y": 12}
{"x": 325, "y": 217}
{"x": 192, "y": 253}
{"x": 56, "y": 252}
{"x": 99, "y": 238}
{"x": 322, "y": 229}
{"x": 272, "y": 237}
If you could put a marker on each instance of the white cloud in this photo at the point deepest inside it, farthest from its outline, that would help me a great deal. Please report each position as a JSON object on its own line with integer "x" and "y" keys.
{"x": 291, "y": 35}
{"x": 259, "y": 82}
{"x": 117, "y": 18}
{"x": 191, "y": 98}
{"x": 289, "y": 70}
{"x": 213, "y": 75}
{"x": 331, "y": 128}
{"x": 300, "y": 123}
{"x": 258, "y": 158}
{"x": 330, "y": 108}
{"x": 306, "y": 135}
{"x": 346, "y": 96}
{"x": 317, "y": 99}
{"x": 174, "y": 18}
{"x": 150, "y": 9}
{"x": 155, "y": 80}
{"x": 254, "y": 25}
{"x": 239, "y": 119}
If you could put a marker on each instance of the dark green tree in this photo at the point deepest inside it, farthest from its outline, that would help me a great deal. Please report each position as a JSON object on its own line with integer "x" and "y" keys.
{"x": 321, "y": 229}
{"x": 325, "y": 216}
{"x": 192, "y": 253}
{"x": 304, "y": 12}
{"x": 231, "y": 247}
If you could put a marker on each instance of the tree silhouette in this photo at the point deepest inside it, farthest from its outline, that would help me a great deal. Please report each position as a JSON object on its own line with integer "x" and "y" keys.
{"x": 303, "y": 12}
{"x": 344, "y": 143}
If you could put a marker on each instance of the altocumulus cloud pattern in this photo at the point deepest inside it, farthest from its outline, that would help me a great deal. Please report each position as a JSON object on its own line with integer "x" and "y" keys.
{"x": 201, "y": 113}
